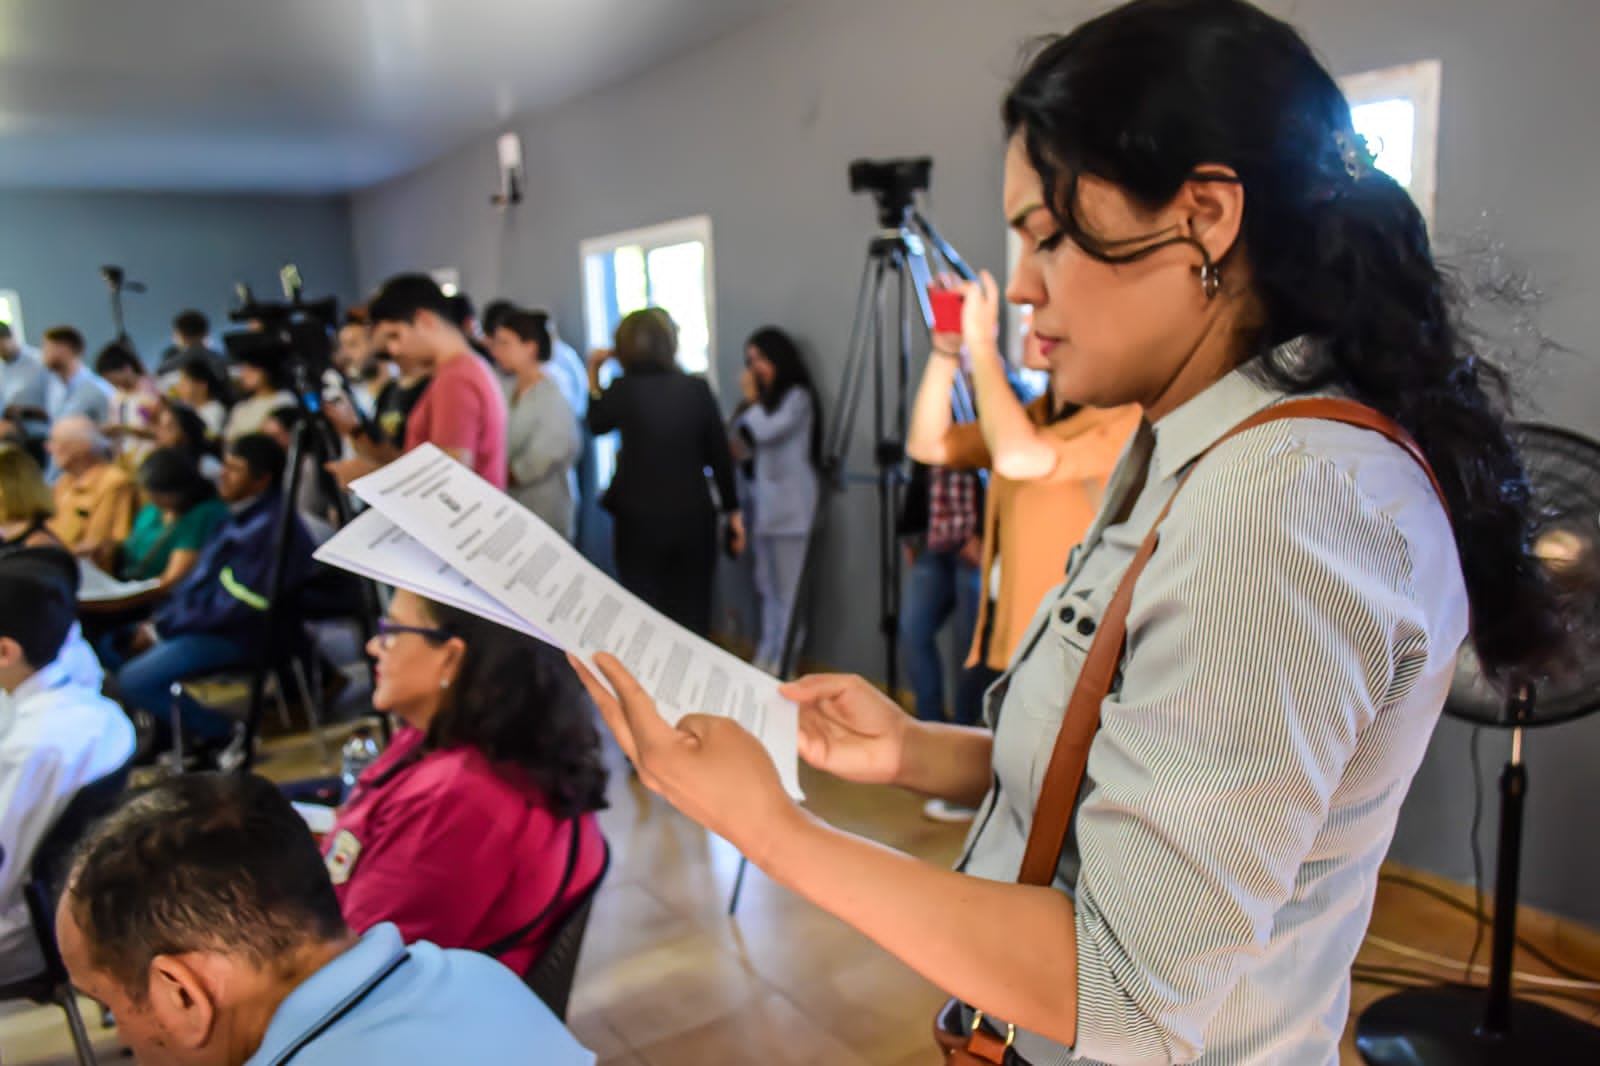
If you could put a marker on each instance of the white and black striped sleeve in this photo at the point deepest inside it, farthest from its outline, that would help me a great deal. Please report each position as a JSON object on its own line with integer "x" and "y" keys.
{"x": 1261, "y": 641}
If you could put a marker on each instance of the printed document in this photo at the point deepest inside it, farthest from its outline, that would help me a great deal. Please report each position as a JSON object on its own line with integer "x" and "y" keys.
{"x": 440, "y": 530}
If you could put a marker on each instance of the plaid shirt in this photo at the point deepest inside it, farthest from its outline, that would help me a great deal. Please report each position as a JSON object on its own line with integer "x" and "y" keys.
{"x": 952, "y": 508}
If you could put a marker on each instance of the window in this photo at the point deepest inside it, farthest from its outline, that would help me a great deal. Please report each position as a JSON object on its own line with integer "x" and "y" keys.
{"x": 1397, "y": 110}
{"x": 667, "y": 266}
{"x": 11, "y": 313}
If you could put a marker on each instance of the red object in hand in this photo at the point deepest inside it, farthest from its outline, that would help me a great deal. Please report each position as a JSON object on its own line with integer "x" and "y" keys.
{"x": 946, "y": 304}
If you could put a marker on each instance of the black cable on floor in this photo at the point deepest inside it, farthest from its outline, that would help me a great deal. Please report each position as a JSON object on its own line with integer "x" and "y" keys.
{"x": 1533, "y": 950}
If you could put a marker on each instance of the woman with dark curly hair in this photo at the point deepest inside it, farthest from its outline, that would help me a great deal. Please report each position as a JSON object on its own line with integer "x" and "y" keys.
{"x": 468, "y": 826}
{"x": 1202, "y": 743}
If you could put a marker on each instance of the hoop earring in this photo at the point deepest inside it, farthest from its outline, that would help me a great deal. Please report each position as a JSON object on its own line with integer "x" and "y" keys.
{"x": 1210, "y": 279}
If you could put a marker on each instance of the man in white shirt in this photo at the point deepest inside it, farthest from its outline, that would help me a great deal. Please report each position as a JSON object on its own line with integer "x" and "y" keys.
{"x": 56, "y": 733}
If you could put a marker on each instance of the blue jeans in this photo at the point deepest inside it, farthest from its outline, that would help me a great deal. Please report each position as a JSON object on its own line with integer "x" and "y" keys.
{"x": 145, "y": 680}
{"x": 939, "y": 585}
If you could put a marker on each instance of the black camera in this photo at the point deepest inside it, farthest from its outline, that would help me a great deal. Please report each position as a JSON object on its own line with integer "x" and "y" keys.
{"x": 293, "y": 338}
{"x": 894, "y": 183}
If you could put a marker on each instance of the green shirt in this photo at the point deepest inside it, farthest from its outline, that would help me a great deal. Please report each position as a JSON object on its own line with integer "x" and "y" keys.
{"x": 148, "y": 548}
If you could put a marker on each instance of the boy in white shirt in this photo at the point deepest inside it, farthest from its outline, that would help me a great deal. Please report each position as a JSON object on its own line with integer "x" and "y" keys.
{"x": 57, "y": 734}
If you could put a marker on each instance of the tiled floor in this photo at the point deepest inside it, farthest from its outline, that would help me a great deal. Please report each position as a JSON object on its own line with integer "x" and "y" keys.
{"x": 667, "y": 979}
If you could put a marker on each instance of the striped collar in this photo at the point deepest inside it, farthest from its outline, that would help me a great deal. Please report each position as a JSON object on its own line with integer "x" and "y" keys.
{"x": 1185, "y": 434}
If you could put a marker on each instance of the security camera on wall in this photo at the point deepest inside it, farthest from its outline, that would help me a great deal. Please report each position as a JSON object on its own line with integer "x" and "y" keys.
{"x": 510, "y": 151}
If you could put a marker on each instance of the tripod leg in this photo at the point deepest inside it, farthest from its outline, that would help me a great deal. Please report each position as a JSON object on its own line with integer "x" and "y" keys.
{"x": 838, "y": 444}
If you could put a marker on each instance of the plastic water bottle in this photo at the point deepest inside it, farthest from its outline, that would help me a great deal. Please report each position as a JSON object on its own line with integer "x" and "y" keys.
{"x": 359, "y": 752}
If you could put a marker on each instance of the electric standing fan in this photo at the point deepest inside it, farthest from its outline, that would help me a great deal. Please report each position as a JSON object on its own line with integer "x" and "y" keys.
{"x": 1462, "y": 1024}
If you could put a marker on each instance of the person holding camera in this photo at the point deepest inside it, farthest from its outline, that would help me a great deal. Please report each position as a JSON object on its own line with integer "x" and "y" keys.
{"x": 664, "y": 521}
{"x": 461, "y": 410}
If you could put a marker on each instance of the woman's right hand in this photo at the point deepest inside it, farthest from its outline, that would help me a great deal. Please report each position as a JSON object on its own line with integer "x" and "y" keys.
{"x": 849, "y": 728}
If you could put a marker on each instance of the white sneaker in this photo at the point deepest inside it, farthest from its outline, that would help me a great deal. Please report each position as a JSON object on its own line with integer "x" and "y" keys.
{"x": 938, "y": 810}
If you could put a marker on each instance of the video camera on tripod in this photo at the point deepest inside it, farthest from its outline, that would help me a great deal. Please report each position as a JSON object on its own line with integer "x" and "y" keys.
{"x": 896, "y": 289}
{"x": 295, "y": 340}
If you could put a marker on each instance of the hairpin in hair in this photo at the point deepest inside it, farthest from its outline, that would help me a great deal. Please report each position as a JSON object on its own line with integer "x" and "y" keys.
{"x": 1359, "y": 161}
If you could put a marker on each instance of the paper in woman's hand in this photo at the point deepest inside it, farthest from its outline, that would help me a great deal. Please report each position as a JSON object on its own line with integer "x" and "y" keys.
{"x": 464, "y": 542}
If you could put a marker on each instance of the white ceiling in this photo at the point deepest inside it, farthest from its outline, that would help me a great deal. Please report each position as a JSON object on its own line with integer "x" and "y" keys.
{"x": 304, "y": 95}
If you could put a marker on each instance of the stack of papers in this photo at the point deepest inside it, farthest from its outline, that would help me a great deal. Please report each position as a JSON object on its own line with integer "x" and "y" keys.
{"x": 439, "y": 530}
{"x": 97, "y": 586}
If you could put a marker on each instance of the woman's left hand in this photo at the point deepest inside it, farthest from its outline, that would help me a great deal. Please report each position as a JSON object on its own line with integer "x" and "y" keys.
{"x": 980, "y": 316}
{"x": 708, "y": 767}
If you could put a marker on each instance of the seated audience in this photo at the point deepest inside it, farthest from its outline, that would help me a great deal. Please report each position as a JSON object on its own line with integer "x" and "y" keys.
{"x": 179, "y": 426}
{"x": 170, "y": 532}
{"x": 95, "y": 499}
{"x": 191, "y": 341}
{"x": 542, "y": 439}
{"x": 26, "y": 503}
{"x": 461, "y": 832}
{"x": 261, "y": 394}
{"x": 134, "y": 403}
{"x": 214, "y": 618}
{"x": 57, "y": 733}
{"x": 199, "y": 386}
{"x": 74, "y": 389}
{"x": 200, "y": 914}
{"x": 462, "y": 411}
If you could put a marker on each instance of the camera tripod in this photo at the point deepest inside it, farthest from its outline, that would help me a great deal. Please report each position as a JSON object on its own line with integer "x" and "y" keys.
{"x": 314, "y": 436}
{"x": 897, "y": 265}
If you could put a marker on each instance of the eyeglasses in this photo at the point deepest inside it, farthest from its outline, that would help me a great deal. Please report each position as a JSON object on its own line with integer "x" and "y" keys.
{"x": 388, "y": 632}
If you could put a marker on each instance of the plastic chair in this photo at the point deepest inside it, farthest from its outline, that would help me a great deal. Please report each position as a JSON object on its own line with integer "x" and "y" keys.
{"x": 552, "y": 972}
{"x": 42, "y": 891}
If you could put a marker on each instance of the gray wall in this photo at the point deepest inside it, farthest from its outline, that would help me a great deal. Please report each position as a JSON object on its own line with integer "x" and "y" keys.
{"x": 756, "y": 131}
{"x": 188, "y": 249}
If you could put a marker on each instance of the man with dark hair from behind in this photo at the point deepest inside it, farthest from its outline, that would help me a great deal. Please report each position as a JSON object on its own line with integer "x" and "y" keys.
{"x": 57, "y": 733}
{"x": 191, "y": 339}
{"x": 215, "y": 618}
{"x": 201, "y": 914}
{"x": 463, "y": 411}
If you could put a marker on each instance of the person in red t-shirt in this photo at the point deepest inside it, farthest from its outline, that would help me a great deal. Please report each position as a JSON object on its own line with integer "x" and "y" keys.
{"x": 461, "y": 833}
{"x": 463, "y": 410}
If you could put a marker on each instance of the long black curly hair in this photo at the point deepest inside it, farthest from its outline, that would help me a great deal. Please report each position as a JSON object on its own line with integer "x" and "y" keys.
{"x": 517, "y": 700}
{"x": 1147, "y": 93}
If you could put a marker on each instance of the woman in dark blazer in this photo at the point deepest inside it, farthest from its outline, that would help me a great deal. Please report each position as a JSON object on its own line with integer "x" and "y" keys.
{"x": 664, "y": 519}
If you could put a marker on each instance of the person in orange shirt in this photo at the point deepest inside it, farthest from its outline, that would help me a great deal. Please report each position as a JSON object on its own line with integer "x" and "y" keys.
{"x": 95, "y": 499}
{"x": 1048, "y": 461}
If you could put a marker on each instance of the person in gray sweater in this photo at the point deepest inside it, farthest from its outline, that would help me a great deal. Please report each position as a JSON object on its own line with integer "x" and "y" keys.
{"x": 779, "y": 427}
{"x": 542, "y": 438}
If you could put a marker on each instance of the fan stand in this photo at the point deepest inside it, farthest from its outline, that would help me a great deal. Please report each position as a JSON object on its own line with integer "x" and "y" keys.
{"x": 1466, "y": 1025}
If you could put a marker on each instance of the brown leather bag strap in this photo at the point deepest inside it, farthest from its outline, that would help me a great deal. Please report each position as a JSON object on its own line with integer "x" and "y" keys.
{"x": 1064, "y": 777}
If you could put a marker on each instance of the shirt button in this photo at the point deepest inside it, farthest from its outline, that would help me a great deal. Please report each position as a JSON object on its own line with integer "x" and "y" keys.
{"x": 1086, "y": 626}
{"x": 1067, "y": 615}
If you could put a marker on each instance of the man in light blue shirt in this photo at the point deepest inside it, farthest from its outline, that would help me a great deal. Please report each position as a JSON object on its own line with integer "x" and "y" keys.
{"x": 202, "y": 915}
{"x": 74, "y": 388}
{"x": 24, "y": 382}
